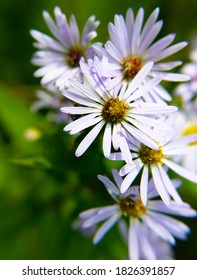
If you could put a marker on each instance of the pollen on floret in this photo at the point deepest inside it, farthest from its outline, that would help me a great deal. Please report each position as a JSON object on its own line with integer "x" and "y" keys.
{"x": 190, "y": 129}
{"x": 150, "y": 156}
{"x": 114, "y": 110}
{"x": 131, "y": 207}
{"x": 74, "y": 55}
{"x": 131, "y": 66}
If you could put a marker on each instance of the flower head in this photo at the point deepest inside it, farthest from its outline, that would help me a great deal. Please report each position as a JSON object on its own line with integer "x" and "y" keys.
{"x": 131, "y": 46}
{"x": 59, "y": 58}
{"x": 120, "y": 113}
{"x": 157, "y": 163}
{"x": 146, "y": 224}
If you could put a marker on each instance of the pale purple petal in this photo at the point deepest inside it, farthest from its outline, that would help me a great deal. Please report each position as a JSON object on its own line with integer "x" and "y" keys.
{"x": 134, "y": 250}
{"x": 159, "y": 229}
{"x": 109, "y": 184}
{"x": 136, "y": 31}
{"x": 106, "y": 227}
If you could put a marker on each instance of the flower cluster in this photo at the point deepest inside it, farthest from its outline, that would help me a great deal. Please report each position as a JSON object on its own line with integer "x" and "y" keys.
{"x": 114, "y": 90}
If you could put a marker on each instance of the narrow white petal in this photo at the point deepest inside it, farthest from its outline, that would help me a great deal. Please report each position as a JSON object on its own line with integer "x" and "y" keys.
{"x": 144, "y": 185}
{"x": 149, "y": 24}
{"x": 113, "y": 51}
{"x": 107, "y": 139}
{"x": 181, "y": 170}
{"x": 128, "y": 180}
{"x": 97, "y": 218}
{"x": 182, "y": 209}
{"x": 169, "y": 51}
{"x": 140, "y": 136}
{"x": 145, "y": 88}
{"x": 116, "y": 137}
{"x": 89, "y": 138}
{"x": 80, "y": 121}
{"x": 174, "y": 77}
{"x": 77, "y": 98}
{"x": 125, "y": 150}
{"x": 83, "y": 125}
{"x": 95, "y": 211}
{"x": 181, "y": 151}
{"x": 176, "y": 228}
{"x": 134, "y": 243}
{"x": 165, "y": 66}
{"x": 137, "y": 80}
{"x": 76, "y": 110}
{"x": 127, "y": 168}
{"x": 151, "y": 108}
{"x": 158, "y": 46}
{"x": 89, "y": 213}
{"x": 159, "y": 185}
{"x": 83, "y": 89}
{"x": 105, "y": 228}
{"x": 150, "y": 36}
{"x": 136, "y": 31}
{"x": 168, "y": 185}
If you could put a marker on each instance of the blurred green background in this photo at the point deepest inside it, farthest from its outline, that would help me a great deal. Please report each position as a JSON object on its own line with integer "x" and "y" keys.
{"x": 43, "y": 186}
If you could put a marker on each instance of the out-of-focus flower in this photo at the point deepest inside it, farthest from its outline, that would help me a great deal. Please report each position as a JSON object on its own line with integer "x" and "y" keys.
{"x": 143, "y": 222}
{"x": 51, "y": 99}
{"x": 59, "y": 58}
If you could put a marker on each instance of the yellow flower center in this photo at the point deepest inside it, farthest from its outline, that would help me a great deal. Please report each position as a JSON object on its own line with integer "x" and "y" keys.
{"x": 190, "y": 129}
{"x": 114, "y": 110}
{"x": 150, "y": 156}
{"x": 132, "y": 208}
{"x": 74, "y": 55}
{"x": 131, "y": 66}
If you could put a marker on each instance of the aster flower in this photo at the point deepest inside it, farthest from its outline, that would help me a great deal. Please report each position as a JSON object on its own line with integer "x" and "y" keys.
{"x": 131, "y": 46}
{"x": 59, "y": 58}
{"x": 120, "y": 113}
{"x": 157, "y": 163}
{"x": 143, "y": 222}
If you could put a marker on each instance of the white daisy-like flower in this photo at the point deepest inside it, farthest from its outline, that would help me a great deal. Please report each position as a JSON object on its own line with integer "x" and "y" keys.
{"x": 143, "y": 222}
{"x": 157, "y": 163}
{"x": 119, "y": 113}
{"x": 59, "y": 58}
{"x": 132, "y": 45}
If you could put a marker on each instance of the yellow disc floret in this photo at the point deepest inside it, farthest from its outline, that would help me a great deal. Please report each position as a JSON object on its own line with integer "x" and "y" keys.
{"x": 131, "y": 66}
{"x": 114, "y": 110}
{"x": 150, "y": 156}
{"x": 131, "y": 207}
